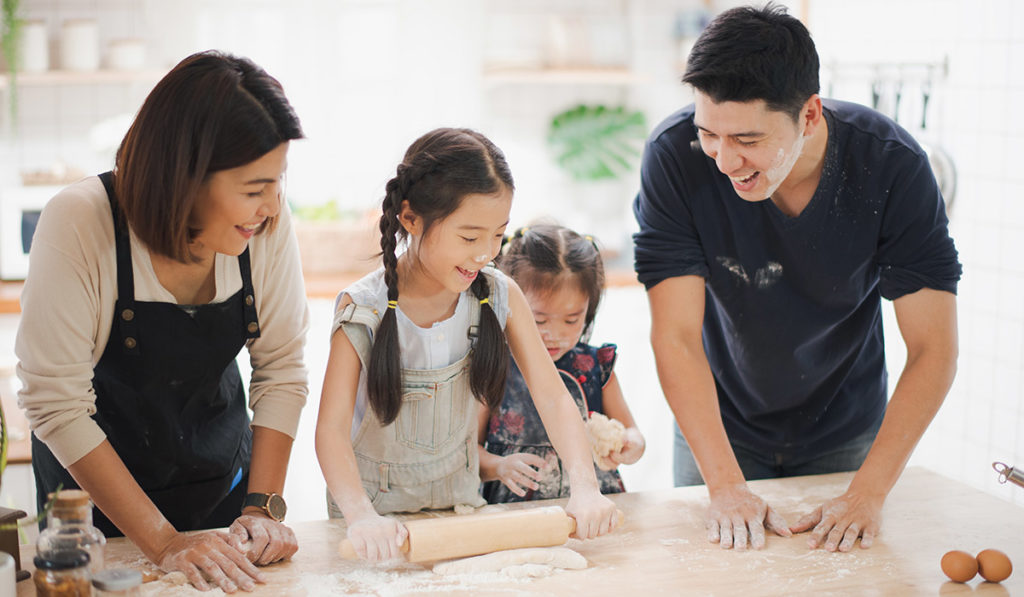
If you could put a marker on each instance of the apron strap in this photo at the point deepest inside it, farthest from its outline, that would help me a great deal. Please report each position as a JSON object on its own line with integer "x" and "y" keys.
{"x": 252, "y": 323}
{"x": 125, "y": 304}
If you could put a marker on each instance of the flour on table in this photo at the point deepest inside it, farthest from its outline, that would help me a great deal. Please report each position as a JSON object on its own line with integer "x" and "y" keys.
{"x": 606, "y": 436}
{"x": 516, "y": 563}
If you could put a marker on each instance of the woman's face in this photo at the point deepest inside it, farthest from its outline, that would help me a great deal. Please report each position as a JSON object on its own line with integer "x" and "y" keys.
{"x": 234, "y": 204}
{"x": 560, "y": 315}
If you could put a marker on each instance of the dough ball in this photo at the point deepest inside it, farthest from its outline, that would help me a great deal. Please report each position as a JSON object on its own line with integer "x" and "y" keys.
{"x": 606, "y": 436}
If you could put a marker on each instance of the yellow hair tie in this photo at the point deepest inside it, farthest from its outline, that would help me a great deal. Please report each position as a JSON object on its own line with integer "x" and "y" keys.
{"x": 484, "y": 301}
{"x": 392, "y": 304}
{"x": 590, "y": 238}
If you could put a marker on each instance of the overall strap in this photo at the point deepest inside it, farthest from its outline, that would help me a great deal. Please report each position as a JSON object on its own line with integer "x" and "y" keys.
{"x": 358, "y": 322}
{"x": 125, "y": 276}
{"x": 252, "y": 324}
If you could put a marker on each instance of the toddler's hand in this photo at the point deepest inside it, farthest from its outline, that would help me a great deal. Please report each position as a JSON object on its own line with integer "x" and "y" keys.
{"x": 377, "y": 538}
{"x": 520, "y": 470}
{"x": 633, "y": 446}
{"x": 595, "y": 514}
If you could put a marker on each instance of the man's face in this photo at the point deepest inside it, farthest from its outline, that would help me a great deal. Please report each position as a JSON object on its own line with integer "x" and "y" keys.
{"x": 752, "y": 145}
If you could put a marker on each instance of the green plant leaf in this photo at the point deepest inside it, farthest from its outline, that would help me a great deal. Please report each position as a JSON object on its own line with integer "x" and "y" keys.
{"x": 597, "y": 142}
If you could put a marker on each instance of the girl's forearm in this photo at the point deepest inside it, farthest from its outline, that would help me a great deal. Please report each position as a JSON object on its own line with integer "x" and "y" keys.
{"x": 565, "y": 429}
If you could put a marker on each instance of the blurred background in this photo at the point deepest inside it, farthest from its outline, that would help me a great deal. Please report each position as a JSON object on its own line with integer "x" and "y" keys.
{"x": 568, "y": 89}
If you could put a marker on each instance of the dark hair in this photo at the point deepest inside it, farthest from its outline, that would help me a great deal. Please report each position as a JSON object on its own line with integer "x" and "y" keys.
{"x": 439, "y": 169}
{"x": 211, "y": 112}
{"x": 748, "y": 54}
{"x": 542, "y": 257}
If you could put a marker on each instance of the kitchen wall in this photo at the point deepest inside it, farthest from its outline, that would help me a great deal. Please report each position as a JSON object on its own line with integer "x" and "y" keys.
{"x": 368, "y": 76}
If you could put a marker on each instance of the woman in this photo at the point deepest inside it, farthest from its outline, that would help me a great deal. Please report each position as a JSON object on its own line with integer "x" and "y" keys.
{"x": 144, "y": 285}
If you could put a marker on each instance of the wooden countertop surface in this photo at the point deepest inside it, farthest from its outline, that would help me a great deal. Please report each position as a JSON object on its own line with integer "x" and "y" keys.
{"x": 661, "y": 549}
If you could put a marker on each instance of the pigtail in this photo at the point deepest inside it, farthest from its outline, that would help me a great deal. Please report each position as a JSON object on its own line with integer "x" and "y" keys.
{"x": 489, "y": 365}
{"x": 384, "y": 371}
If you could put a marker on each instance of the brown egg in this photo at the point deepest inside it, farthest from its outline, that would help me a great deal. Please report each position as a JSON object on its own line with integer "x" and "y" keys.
{"x": 959, "y": 566}
{"x": 994, "y": 566}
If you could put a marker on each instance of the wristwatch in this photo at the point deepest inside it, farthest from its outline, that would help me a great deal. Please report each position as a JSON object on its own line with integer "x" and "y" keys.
{"x": 271, "y": 503}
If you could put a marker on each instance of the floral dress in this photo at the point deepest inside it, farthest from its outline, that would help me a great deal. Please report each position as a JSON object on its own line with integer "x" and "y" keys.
{"x": 517, "y": 427}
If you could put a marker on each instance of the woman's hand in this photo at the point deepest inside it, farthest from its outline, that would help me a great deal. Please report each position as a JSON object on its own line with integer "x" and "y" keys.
{"x": 377, "y": 538}
{"x": 520, "y": 470}
{"x": 212, "y": 555}
{"x": 595, "y": 514}
{"x": 269, "y": 541}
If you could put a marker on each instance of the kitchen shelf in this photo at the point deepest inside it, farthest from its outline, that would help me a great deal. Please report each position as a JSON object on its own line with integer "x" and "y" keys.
{"x": 64, "y": 77}
{"x": 494, "y": 76}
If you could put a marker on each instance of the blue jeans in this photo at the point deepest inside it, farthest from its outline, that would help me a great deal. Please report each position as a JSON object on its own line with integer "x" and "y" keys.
{"x": 760, "y": 464}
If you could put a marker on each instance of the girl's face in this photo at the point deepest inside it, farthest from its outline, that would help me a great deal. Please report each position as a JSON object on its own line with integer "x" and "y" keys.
{"x": 234, "y": 204}
{"x": 560, "y": 315}
{"x": 456, "y": 248}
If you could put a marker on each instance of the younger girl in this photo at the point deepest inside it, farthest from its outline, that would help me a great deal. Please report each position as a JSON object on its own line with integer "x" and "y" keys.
{"x": 562, "y": 276}
{"x": 422, "y": 337}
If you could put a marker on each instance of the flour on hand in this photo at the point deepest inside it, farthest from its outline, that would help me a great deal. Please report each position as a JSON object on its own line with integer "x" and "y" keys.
{"x": 606, "y": 436}
{"x": 516, "y": 563}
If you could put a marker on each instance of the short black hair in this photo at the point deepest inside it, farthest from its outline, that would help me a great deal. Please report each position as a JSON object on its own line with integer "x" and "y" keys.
{"x": 747, "y": 54}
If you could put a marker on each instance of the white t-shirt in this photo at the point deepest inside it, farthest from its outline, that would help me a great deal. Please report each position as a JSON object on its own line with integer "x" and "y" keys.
{"x": 67, "y": 308}
{"x": 438, "y": 346}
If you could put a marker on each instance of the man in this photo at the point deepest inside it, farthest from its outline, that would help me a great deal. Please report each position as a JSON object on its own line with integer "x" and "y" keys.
{"x": 771, "y": 223}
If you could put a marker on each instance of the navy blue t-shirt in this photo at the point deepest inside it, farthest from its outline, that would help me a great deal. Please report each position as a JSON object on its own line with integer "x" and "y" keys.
{"x": 792, "y": 320}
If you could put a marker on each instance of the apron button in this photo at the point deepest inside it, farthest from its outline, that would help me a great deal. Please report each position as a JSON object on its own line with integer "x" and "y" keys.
{"x": 127, "y": 315}
{"x": 249, "y": 300}
{"x": 129, "y": 342}
{"x": 253, "y": 327}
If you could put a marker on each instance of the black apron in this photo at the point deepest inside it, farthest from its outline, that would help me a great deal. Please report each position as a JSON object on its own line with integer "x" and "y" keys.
{"x": 170, "y": 399}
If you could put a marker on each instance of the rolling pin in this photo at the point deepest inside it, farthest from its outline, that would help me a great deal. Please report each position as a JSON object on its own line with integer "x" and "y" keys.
{"x": 474, "y": 534}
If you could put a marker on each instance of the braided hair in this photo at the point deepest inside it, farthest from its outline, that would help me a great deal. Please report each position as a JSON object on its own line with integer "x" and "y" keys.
{"x": 545, "y": 256}
{"x": 438, "y": 170}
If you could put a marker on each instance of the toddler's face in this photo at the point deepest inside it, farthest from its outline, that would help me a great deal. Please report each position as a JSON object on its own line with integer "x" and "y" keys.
{"x": 560, "y": 317}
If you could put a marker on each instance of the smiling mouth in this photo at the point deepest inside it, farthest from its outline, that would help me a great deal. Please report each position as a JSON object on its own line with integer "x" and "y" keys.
{"x": 467, "y": 273}
{"x": 743, "y": 180}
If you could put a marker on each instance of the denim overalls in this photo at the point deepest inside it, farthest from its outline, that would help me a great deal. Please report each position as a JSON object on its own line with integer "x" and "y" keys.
{"x": 427, "y": 457}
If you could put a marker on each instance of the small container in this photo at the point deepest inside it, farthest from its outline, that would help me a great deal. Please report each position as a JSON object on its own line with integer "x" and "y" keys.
{"x": 69, "y": 527}
{"x": 126, "y": 54}
{"x": 62, "y": 574}
{"x": 79, "y": 45}
{"x": 117, "y": 582}
{"x": 35, "y": 47}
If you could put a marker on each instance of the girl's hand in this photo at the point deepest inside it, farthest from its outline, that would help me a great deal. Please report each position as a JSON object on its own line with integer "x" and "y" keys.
{"x": 520, "y": 470}
{"x": 633, "y": 447}
{"x": 210, "y": 555}
{"x": 377, "y": 538}
{"x": 595, "y": 514}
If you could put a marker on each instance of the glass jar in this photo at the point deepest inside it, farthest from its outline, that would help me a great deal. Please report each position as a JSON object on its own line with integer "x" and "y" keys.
{"x": 62, "y": 574}
{"x": 69, "y": 527}
{"x": 117, "y": 582}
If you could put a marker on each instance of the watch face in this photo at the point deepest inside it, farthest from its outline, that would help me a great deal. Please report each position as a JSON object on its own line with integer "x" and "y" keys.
{"x": 277, "y": 507}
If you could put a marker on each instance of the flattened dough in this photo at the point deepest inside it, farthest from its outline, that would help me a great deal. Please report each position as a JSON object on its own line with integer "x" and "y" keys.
{"x": 531, "y": 561}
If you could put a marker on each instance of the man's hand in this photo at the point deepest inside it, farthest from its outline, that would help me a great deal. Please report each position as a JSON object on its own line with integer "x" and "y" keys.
{"x": 838, "y": 522}
{"x": 736, "y": 515}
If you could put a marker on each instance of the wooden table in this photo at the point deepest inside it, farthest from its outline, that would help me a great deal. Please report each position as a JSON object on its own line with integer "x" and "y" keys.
{"x": 661, "y": 550}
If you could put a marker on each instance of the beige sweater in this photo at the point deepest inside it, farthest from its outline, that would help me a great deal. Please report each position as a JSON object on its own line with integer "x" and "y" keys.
{"x": 67, "y": 308}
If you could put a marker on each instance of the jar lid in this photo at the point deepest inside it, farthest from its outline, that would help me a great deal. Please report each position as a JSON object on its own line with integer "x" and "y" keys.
{"x": 70, "y": 498}
{"x": 116, "y": 579}
{"x": 62, "y": 560}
